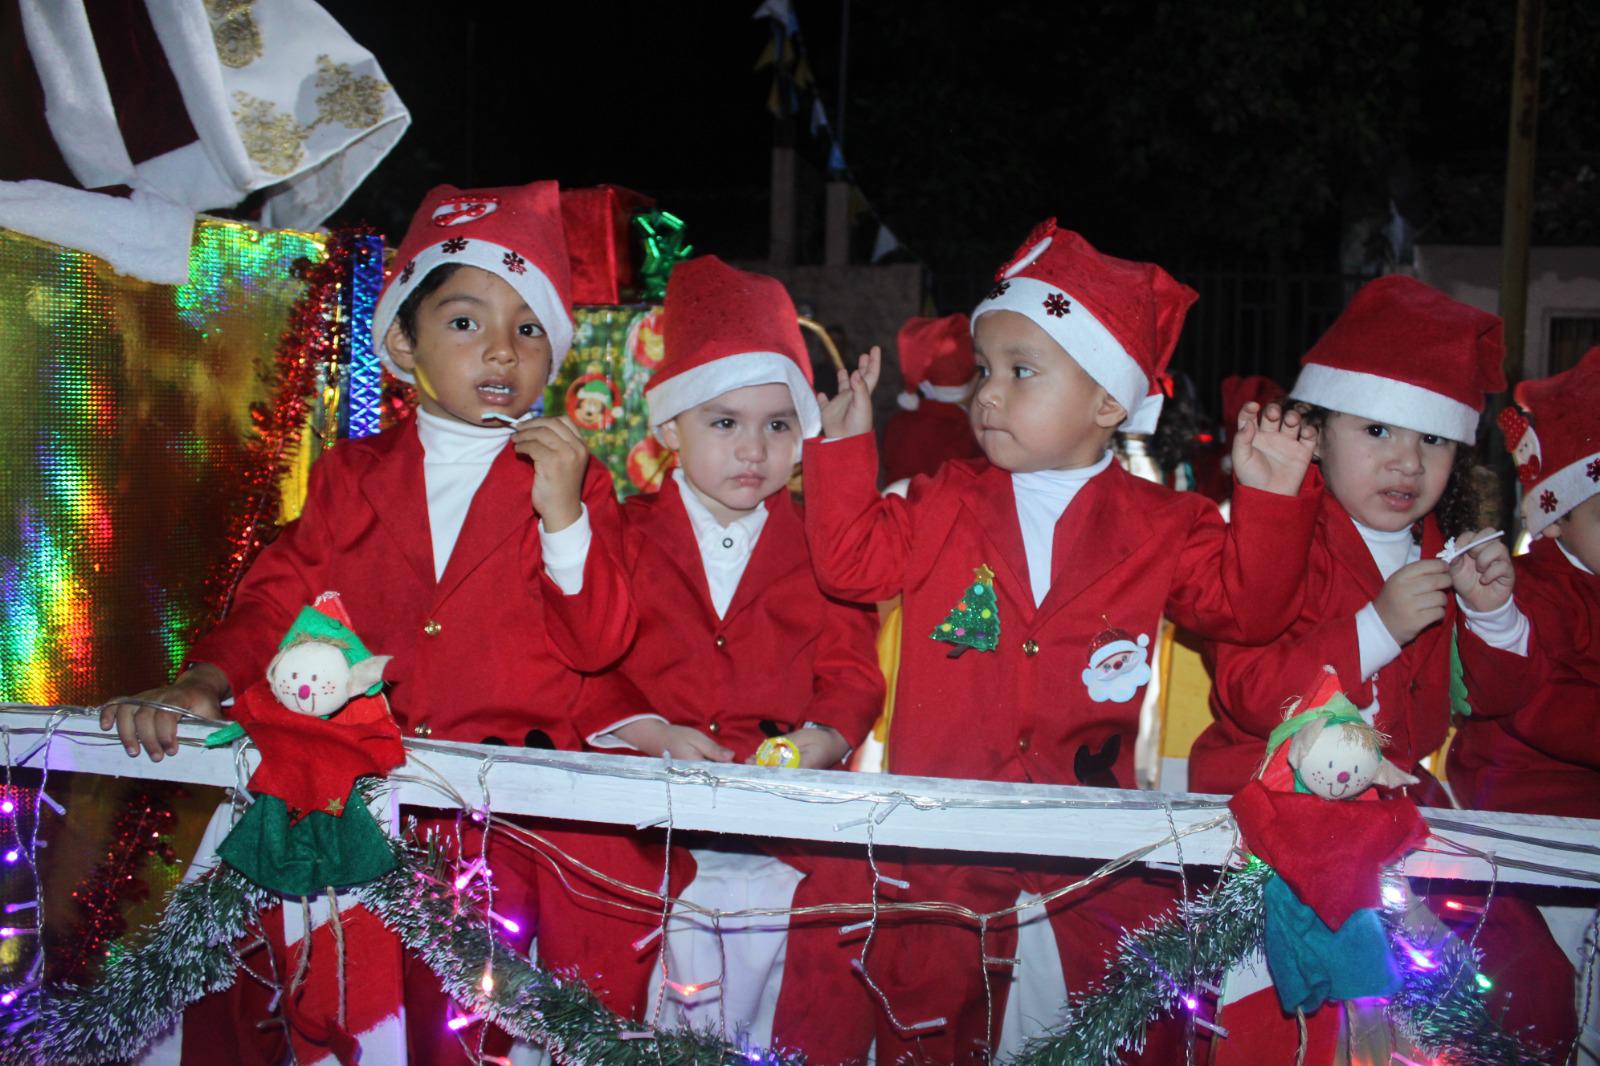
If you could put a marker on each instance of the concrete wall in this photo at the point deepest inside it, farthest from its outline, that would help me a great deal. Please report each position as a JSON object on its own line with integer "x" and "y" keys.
{"x": 1562, "y": 282}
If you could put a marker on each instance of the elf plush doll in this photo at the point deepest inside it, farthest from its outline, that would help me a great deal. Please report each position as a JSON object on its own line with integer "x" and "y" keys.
{"x": 320, "y": 723}
{"x": 1325, "y": 941}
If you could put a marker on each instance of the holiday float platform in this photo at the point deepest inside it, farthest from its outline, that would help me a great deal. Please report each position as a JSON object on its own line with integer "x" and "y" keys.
{"x": 891, "y": 810}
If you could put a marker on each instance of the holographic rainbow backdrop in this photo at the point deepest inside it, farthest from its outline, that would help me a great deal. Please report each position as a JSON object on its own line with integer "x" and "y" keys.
{"x": 123, "y": 406}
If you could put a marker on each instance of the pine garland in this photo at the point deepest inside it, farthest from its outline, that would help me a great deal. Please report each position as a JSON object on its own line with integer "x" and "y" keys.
{"x": 192, "y": 952}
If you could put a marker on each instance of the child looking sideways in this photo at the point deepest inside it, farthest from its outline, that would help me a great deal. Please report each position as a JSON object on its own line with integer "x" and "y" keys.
{"x": 1080, "y": 560}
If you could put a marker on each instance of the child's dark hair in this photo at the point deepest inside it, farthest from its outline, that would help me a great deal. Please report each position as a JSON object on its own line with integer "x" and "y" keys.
{"x": 406, "y": 316}
{"x": 1461, "y": 506}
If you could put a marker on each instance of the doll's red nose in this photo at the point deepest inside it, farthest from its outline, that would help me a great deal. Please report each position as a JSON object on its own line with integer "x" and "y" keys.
{"x": 305, "y": 690}
{"x": 1344, "y": 775}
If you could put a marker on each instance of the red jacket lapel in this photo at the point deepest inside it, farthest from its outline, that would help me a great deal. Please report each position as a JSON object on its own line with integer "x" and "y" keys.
{"x": 395, "y": 488}
{"x": 1100, "y": 528}
{"x": 502, "y": 506}
{"x": 774, "y": 556}
{"x": 994, "y": 510}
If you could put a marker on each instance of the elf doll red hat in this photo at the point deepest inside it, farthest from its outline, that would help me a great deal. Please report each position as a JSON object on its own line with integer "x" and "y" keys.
{"x": 1118, "y": 319}
{"x": 936, "y": 360}
{"x": 726, "y": 329}
{"x": 1553, "y": 434}
{"x": 1407, "y": 354}
{"x": 514, "y": 233}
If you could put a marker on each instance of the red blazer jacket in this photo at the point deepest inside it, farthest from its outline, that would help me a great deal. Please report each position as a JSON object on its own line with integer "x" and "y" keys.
{"x": 490, "y": 653}
{"x": 1251, "y": 684}
{"x": 920, "y": 441}
{"x": 1545, "y": 758}
{"x": 1126, "y": 552}
{"x": 783, "y": 655}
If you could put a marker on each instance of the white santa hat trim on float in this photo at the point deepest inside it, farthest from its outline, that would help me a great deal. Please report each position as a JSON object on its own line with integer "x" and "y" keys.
{"x": 1118, "y": 319}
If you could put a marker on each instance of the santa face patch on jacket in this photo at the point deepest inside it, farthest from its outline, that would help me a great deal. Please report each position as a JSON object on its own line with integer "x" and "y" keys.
{"x": 1119, "y": 665}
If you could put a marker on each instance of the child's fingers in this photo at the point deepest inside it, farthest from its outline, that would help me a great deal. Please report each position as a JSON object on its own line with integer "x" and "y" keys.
{"x": 871, "y": 365}
{"x": 165, "y": 732}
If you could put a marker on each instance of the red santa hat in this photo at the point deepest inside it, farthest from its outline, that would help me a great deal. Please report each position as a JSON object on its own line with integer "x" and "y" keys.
{"x": 1118, "y": 319}
{"x": 1238, "y": 391}
{"x": 514, "y": 233}
{"x": 1553, "y": 433}
{"x": 1407, "y": 354}
{"x": 727, "y": 329}
{"x": 1113, "y": 641}
{"x": 936, "y": 360}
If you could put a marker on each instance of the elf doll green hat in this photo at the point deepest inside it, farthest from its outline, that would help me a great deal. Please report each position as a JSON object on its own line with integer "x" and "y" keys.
{"x": 327, "y": 622}
{"x": 1553, "y": 433}
{"x": 514, "y": 233}
{"x": 1118, "y": 319}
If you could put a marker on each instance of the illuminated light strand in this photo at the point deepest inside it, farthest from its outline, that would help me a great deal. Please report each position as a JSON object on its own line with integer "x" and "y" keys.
{"x": 364, "y": 397}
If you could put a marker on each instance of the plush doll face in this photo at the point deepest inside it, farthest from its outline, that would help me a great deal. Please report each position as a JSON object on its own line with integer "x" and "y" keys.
{"x": 313, "y": 677}
{"x": 1341, "y": 761}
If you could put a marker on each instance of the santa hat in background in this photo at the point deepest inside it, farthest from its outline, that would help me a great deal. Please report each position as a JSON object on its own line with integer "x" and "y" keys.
{"x": 1113, "y": 641}
{"x": 1407, "y": 354}
{"x": 1238, "y": 390}
{"x": 936, "y": 360}
{"x": 1553, "y": 434}
{"x": 1118, "y": 319}
{"x": 727, "y": 329}
{"x": 514, "y": 233}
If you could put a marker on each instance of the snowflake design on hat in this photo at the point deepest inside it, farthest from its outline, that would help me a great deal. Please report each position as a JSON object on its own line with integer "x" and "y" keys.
{"x": 514, "y": 263}
{"x": 1547, "y": 501}
{"x": 1057, "y": 305}
{"x": 453, "y": 245}
{"x": 999, "y": 290}
{"x": 1593, "y": 470}
{"x": 405, "y": 275}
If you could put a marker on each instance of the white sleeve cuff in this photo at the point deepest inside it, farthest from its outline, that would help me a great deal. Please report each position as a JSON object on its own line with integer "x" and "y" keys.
{"x": 606, "y": 737}
{"x": 1377, "y": 645}
{"x": 1505, "y": 627}
{"x": 565, "y": 552}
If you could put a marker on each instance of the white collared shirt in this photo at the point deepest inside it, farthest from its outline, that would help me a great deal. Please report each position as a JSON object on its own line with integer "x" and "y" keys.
{"x": 725, "y": 550}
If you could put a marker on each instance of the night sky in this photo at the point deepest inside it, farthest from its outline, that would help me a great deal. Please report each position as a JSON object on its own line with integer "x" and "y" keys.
{"x": 1252, "y": 134}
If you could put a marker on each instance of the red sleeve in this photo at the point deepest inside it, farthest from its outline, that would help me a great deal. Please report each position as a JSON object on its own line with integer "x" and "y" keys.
{"x": 607, "y": 698}
{"x": 592, "y": 629}
{"x": 859, "y": 540}
{"x": 1251, "y": 683}
{"x": 1244, "y": 581}
{"x": 847, "y": 692}
{"x": 1498, "y": 682}
{"x": 282, "y": 580}
{"x": 1563, "y": 721}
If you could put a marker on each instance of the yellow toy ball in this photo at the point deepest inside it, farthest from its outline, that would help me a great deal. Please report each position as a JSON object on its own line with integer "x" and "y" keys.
{"x": 778, "y": 751}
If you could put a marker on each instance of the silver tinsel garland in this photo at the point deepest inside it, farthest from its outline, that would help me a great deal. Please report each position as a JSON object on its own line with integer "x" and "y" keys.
{"x": 193, "y": 951}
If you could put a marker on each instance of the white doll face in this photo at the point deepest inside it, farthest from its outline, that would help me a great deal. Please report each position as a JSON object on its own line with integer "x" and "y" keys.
{"x": 311, "y": 678}
{"x": 1338, "y": 765}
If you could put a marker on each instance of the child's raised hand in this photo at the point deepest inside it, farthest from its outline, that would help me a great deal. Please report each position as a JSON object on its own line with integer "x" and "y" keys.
{"x": 656, "y": 737}
{"x": 560, "y": 459}
{"x": 1414, "y": 598}
{"x": 850, "y": 412}
{"x": 199, "y": 690}
{"x": 1272, "y": 448}
{"x": 1483, "y": 577}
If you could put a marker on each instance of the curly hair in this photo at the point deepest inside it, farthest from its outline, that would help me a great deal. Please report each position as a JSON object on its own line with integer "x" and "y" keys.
{"x": 1461, "y": 505}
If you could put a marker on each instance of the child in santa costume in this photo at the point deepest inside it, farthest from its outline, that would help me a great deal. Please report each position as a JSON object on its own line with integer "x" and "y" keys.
{"x": 940, "y": 375}
{"x": 1545, "y": 757}
{"x": 491, "y": 579}
{"x": 1033, "y": 579}
{"x": 1397, "y": 385}
{"x": 737, "y": 647}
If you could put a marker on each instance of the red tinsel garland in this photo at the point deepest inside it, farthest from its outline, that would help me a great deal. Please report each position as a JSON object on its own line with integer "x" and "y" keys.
{"x": 142, "y": 823}
{"x": 314, "y": 337}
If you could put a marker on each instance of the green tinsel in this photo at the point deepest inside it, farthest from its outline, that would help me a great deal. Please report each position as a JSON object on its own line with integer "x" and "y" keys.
{"x": 191, "y": 952}
{"x": 1153, "y": 970}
